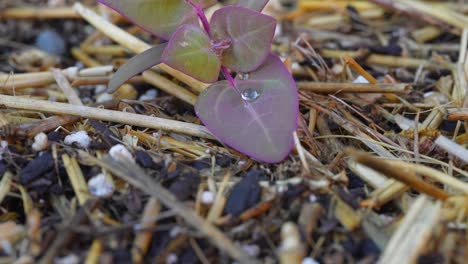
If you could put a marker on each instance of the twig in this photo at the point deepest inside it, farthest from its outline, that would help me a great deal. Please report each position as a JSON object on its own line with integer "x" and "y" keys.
{"x": 319, "y": 87}
{"x": 411, "y": 238}
{"x": 63, "y": 83}
{"x": 319, "y": 5}
{"x": 398, "y": 8}
{"x": 386, "y": 60}
{"x": 50, "y": 123}
{"x": 84, "y": 58}
{"x": 142, "y": 240}
{"x": 28, "y": 80}
{"x": 404, "y": 175}
{"x": 458, "y": 114}
{"x": 106, "y": 115}
{"x": 77, "y": 179}
{"x": 39, "y": 13}
{"x": 452, "y": 148}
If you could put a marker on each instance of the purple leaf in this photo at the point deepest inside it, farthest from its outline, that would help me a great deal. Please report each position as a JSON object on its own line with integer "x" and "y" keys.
{"x": 260, "y": 126}
{"x": 159, "y": 17}
{"x": 249, "y": 32}
{"x": 136, "y": 65}
{"x": 256, "y": 5}
{"x": 189, "y": 51}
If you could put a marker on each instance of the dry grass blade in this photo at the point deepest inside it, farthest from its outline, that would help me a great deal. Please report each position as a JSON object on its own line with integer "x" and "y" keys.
{"x": 319, "y": 87}
{"x": 142, "y": 240}
{"x": 404, "y": 175}
{"x": 5, "y": 185}
{"x": 77, "y": 179}
{"x": 106, "y": 115}
{"x": 63, "y": 83}
{"x": 408, "y": 242}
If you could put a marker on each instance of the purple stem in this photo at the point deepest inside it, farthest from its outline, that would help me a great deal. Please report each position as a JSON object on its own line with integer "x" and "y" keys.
{"x": 202, "y": 16}
{"x": 230, "y": 80}
{"x": 206, "y": 26}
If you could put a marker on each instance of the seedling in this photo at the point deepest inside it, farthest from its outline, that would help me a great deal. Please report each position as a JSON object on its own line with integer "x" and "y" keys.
{"x": 255, "y": 111}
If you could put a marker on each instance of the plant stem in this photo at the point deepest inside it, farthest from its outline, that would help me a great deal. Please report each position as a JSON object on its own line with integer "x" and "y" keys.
{"x": 206, "y": 26}
{"x": 202, "y": 16}
{"x": 230, "y": 80}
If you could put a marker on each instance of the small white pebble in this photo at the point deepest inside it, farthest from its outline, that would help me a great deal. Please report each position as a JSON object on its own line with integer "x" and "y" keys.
{"x": 130, "y": 140}
{"x": 281, "y": 188}
{"x": 207, "y": 197}
{"x": 251, "y": 250}
{"x": 385, "y": 219}
{"x": 149, "y": 95}
{"x": 120, "y": 152}
{"x": 101, "y": 186}
{"x": 309, "y": 260}
{"x": 41, "y": 142}
{"x": 295, "y": 66}
{"x": 278, "y": 30}
{"x": 7, "y": 247}
{"x": 70, "y": 259}
{"x": 104, "y": 97}
{"x": 361, "y": 79}
{"x": 3, "y": 148}
{"x": 172, "y": 259}
{"x": 81, "y": 138}
{"x": 100, "y": 89}
{"x": 175, "y": 231}
{"x": 312, "y": 198}
{"x": 71, "y": 72}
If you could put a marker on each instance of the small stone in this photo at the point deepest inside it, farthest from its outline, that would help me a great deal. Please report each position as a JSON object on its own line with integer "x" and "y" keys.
{"x": 120, "y": 152}
{"x": 80, "y": 138}
{"x": 207, "y": 197}
{"x": 101, "y": 186}
{"x": 172, "y": 259}
{"x": 245, "y": 194}
{"x": 3, "y": 148}
{"x": 104, "y": 97}
{"x": 251, "y": 250}
{"x": 361, "y": 79}
{"x": 51, "y": 42}
{"x": 70, "y": 259}
{"x": 309, "y": 260}
{"x": 144, "y": 159}
{"x": 41, "y": 142}
{"x": 149, "y": 95}
{"x": 36, "y": 168}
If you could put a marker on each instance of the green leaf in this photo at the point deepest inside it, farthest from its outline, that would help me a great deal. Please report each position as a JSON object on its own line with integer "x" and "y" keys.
{"x": 205, "y": 3}
{"x": 159, "y": 17}
{"x": 249, "y": 32}
{"x": 136, "y": 65}
{"x": 189, "y": 51}
{"x": 256, "y": 5}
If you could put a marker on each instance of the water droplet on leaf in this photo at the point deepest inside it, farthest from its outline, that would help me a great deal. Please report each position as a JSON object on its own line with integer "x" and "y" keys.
{"x": 250, "y": 94}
